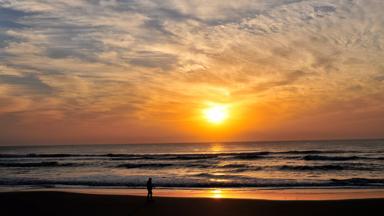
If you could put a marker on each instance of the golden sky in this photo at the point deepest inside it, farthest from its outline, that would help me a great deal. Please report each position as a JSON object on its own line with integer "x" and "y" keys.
{"x": 82, "y": 71}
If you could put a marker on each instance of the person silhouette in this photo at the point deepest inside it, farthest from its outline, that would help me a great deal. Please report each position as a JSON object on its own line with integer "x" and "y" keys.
{"x": 149, "y": 189}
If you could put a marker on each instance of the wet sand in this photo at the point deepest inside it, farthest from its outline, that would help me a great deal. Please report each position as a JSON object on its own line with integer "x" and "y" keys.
{"x": 66, "y": 203}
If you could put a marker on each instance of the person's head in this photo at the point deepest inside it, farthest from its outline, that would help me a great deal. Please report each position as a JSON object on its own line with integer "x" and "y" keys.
{"x": 150, "y": 179}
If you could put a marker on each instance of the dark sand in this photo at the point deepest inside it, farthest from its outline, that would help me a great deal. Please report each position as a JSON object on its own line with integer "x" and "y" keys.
{"x": 68, "y": 204}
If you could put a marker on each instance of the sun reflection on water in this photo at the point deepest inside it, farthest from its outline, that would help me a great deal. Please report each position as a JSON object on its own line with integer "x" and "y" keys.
{"x": 216, "y": 148}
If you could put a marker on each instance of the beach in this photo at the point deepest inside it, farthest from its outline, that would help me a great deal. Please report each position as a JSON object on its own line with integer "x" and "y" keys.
{"x": 70, "y": 203}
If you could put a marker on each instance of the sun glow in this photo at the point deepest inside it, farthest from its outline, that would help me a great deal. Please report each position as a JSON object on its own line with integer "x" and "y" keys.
{"x": 216, "y": 114}
{"x": 216, "y": 194}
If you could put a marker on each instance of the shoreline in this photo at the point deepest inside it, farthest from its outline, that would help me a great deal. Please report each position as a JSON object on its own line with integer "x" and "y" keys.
{"x": 226, "y": 193}
{"x": 66, "y": 203}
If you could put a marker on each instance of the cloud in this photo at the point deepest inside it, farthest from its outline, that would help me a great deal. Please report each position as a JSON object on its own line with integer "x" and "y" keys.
{"x": 30, "y": 83}
{"x": 104, "y": 62}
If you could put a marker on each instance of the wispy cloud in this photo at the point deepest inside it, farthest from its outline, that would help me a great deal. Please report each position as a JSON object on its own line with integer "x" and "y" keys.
{"x": 149, "y": 65}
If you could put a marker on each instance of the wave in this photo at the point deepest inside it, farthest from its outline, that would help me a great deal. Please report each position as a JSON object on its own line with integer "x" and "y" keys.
{"x": 170, "y": 156}
{"x": 205, "y": 182}
{"x": 120, "y": 156}
{"x": 234, "y": 166}
{"x": 175, "y": 165}
{"x": 36, "y": 164}
{"x": 245, "y": 155}
{"x": 332, "y": 158}
{"x": 201, "y": 160}
{"x": 163, "y": 156}
{"x": 238, "y": 155}
{"x": 298, "y": 152}
{"x": 338, "y": 158}
{"x": 316, "y": 167}
{"x": 46, "y": 155}
{"x": 146, "y": 165}
{"x": 229, "y": 168}
{"x": 220, "y": 176}
{"x": 358, "y": 181}
{"x": 61, "y": 155}
{"x": 326, "y": 167}
{"x": 244, "y": 167}
{"x": 250, "y": 155}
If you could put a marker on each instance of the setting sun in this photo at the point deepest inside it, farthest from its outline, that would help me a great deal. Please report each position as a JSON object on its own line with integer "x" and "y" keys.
{"x": 216, "y": 114}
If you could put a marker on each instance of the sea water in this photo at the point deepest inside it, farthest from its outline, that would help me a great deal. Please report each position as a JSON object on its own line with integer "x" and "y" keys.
{"x": 293, "y": 164}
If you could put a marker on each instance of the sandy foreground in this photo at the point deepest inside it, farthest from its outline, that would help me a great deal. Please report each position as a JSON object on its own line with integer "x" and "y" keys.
{"x": 70, "y": 203}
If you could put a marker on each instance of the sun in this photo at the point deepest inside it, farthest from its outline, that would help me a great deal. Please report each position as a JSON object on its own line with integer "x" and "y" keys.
{"x": 216, "y": 114}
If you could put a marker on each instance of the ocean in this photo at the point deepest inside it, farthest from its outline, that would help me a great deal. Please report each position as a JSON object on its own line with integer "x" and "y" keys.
{"x": 293, "y": 164}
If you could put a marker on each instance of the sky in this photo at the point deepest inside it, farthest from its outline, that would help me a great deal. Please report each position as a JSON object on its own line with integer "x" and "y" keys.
{"x": 144, "y": 71}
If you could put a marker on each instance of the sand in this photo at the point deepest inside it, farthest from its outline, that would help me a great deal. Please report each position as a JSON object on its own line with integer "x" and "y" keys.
{"x": 65, "y": 203}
